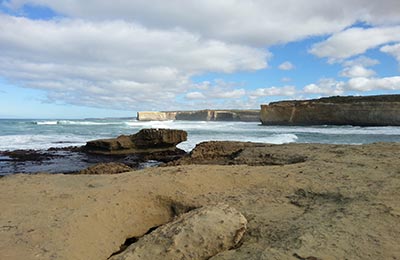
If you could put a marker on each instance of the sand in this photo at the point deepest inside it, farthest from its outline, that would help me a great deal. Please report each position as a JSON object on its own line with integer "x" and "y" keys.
{"x": 342, "y": 202}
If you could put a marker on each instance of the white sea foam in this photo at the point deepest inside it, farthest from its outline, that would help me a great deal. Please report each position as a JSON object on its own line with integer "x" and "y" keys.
{"x": 14, "y": 142}
{"x": 17, "y": 134}
{"x": 272, "y": 139}
{"x": 72, "y": 122}
{"x": 46, "y": 122}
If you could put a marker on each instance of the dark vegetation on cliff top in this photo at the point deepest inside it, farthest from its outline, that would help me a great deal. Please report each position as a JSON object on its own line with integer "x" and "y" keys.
{"x": 347, "y": 99}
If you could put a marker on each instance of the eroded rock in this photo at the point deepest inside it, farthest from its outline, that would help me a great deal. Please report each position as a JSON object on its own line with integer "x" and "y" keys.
{"x": 145, "y": 141}
{"x": 227, "y": 152}
{"x": 106, "y": 168}
{"x": 198, "y": 234}
{"x": 382, "y": 110}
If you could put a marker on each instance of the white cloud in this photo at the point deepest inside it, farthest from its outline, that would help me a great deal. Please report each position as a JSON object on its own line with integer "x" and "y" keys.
{"x": 360, "y": 61}
{"x": 368, "y": 84}
{"x": 357, "y": 71}
{"x": 329, "y": 87}
{"x": 220, "y": 93}
{"x": 273, "y": 91}
{"x": 142, "y": 54}
{"x": 195, "y": 95}
{"x": 393, "y": 50}
{"x": 255, "y": 22}
{"x": 113, "y": 64}
{"x": 287, "y": 65}
{"x": 354, "y": 41}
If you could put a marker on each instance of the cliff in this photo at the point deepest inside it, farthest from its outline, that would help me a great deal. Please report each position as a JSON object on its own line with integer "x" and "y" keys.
{"x": 383, "y": 110}
{"x": 201, "y": 115}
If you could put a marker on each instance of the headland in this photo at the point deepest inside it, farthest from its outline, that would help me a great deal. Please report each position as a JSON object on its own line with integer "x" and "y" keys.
{"x": 382, "y": 110}
{"x": 201, "y": 115}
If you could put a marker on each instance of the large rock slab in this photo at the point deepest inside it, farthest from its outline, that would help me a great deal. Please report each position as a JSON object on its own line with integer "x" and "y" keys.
{"x": 145, "y": 141}
{"x": 236, "y": 153}
{"x": 198, "y": 234}
{"x": 383, "y": 110}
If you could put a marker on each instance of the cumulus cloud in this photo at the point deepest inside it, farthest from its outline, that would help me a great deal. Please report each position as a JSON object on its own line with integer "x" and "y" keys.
{"x": 328, "y": 86}
{"x": 357, "y": 71}
{"x": 368, "y": 84}
{"x": 287, "y": 65}
{"x": 144, "y": 53}
{"x": 273, "y": 91}
{"x": 113, "y": 63}
{"x": 393, "y": 50}
{"x": 195, "y": 95}
{"x": 256, "y": 22}
{"x": 354, "y": 41}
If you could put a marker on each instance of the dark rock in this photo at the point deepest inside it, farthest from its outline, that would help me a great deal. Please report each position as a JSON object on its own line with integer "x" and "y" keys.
{"x": 28, "y": 155}
{"x": 227, "y": 152}
{"x": 106, "y": 168}
{"x": 145, "y": 141}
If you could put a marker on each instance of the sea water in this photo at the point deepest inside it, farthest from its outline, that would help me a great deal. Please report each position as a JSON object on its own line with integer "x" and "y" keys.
{"x": 42, "y": 134}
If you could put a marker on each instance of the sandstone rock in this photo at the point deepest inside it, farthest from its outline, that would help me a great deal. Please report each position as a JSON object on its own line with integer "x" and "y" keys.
{"x": 198, "y": 234}
{"x": 146, "y": 140}
{"x": 362, "y": 111}
{"x": 106, "y": 168}
{"x": 227, "y": 152}
{"x": 202, "y": 115}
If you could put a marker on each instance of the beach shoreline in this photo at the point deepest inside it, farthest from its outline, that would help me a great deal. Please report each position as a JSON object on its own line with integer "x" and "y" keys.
{"x": 341, "y": 202}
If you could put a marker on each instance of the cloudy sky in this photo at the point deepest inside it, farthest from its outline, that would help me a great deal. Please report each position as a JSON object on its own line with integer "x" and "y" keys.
{"x": 100, "y": 58}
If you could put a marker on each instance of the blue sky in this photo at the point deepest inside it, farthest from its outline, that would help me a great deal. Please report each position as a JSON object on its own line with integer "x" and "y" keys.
{"x": 78, "y": 59}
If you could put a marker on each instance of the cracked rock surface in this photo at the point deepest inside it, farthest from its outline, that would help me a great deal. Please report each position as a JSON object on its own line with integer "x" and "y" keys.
{"x": 198, "y": 234}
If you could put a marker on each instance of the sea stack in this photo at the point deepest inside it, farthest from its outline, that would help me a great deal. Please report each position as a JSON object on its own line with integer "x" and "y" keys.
{"x": 382, "y": 110}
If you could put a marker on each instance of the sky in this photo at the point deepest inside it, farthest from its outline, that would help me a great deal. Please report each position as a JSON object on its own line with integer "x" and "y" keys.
{"x": 101, "y": 58}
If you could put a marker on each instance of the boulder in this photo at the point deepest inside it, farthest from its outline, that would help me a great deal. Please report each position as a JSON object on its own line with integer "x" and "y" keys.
{"x": 145, "y": 141}
{"x": 106, "y": 168}
{"x": 198, "y": 234}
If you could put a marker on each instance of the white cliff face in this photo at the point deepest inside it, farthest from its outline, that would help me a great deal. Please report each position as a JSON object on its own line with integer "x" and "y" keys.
{"x": 155, "y": 116}
{"x": 202, "y": 115}
{"x": 360, "y": 111}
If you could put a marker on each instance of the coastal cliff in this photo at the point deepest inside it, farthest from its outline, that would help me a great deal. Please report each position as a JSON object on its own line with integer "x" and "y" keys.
{"x": 201, "y": 115}
{"x": 383, "y": 110}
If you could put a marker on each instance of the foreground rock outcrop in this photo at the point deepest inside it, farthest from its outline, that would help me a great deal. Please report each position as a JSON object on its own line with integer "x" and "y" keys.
{"x": 145, "y": 141}
{"x": 230, "y": 153}
{"x": 381, "y": 110}
{"x": 201, "y": 115}
{"x": 198, "y": 234}
{"x": 343, "y": 202}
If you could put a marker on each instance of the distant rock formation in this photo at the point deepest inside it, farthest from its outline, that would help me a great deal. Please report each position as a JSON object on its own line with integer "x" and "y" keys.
{"x": 145, "y": 141}
{"x": 383, "y": 110}
{"x": 201, "y": 115}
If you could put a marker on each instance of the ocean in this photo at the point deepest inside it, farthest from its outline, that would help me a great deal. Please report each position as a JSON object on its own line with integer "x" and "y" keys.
{"x": 43, "y": 134}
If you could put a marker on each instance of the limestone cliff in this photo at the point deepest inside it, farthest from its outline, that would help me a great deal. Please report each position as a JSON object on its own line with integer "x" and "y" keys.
{"x": 383, "y": 110}
{"x": 202, "y": 115}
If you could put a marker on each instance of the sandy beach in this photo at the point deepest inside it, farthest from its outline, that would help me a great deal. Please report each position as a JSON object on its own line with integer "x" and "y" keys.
{"x": 340, "y": 202}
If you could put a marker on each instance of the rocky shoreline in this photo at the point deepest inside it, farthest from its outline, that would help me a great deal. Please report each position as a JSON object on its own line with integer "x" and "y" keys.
{"x": 224, "y": 200}
{"x": 148, "y": 147}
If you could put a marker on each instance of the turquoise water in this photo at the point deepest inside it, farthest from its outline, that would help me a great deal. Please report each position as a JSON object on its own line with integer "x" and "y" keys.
{"x": 43, "y": 134}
